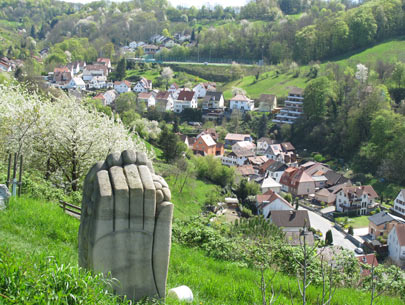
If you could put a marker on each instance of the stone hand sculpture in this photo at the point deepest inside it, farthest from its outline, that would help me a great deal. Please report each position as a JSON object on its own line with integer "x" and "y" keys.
{"x": 125, "y": 225}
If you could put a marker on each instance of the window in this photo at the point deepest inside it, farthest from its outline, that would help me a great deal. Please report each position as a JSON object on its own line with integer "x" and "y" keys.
{"x": 381, "y": 233}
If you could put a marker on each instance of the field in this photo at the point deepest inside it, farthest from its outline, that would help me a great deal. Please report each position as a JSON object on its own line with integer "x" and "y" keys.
{"x": 33, "y": 231}
{"x": 355, "y": 222}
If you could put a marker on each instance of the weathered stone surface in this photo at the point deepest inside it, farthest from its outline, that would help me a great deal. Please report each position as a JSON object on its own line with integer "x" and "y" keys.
{"x": 4, "y": 196}
{"x": 125, "y": 227}
{"x": 182, "y": 293}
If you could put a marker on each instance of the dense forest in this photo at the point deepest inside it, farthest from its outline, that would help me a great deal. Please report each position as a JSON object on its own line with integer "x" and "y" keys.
{"x": 272, "y": 30}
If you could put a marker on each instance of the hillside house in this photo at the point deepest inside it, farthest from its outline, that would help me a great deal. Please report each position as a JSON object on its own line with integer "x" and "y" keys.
{"x": 122, "y": 86}
{"x": 335, "y": 178}
{"x": 293, "y": 109}
{"x": 143, "y": 85}
{"x": 232, "y": 138}
{"x": 267, "y": 102}
{"x": 396, "y": 244}
{"x": 106, "y": 62}
{"x": 244, "y": 146}
{"x": 297, "y": 182}
{"x": 109, "y": 97}
{"x": 150, "y": 49}
{"x": 284, "y": 152}
{"x": 62, "y": 76}
{"x": 164, "y": 101}
{"x": 257, "y": 162}
{"x": 91, "y": 71}
{"x": 173, "y": 88}
{"x": 263, "y": 145}
{"x": 242, "y": 103}
{"x": 399, "y": 203}
{"x": 357, "y": 200}
{"x": 76, "y": 83}
{"x": 382, "y": 223}
{"x": 186, "y": 99}
{"x": 324, "y": 195}
{"x": 205, "y": 145}
{"x": 290, "y": 220}
{"x": 213, "y": 100}
{"x": 246, "y": 171}
{"x": 74, "y": 67}
{"x": 236, "y": 158}
{"x": 211, "y": 131}
{"x": 148, "y": 98}
{"x": 270, "y": 184}
{"x": 271, "y": 201}
{"x": 273, "y": 169}
{"x": 98, "y": 82}
{"x": 202, "y": 88}
{"x": 368, "y": 260}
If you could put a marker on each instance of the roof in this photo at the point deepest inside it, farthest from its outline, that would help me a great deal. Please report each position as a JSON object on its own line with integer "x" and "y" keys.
{"x": 243, "y": 152}
{"x": 144, "y": 95}
{"x": 267, "y": 98}
{"x": 270, "y": 196}
{"x": 244, "y": 145}
{"x": 245, "y": 170}
{"x": 61, "y": 69}
{"x": 104, "y": 60}
{"x": 384, "y": 217}
{"x": 267, "y": 140}
{"x": 359, "y": 191}
{"x": 287, "y": 146}
{"x": 145, "y": 83}
{"x": 319, "y": 178}
{"x": 400, "y": 230}
{"x": 276, "y": 166}
{"x": 117, "y": 83}
{"x": 212, "y": 96}
{"x": 323, "y": 192}
{"x": 294, "y": 176}
{"x": 185, "y": 95}
{"x": 208, "y": 140}
{"x": 297, "y": 238}
{"x": 241, "y": 97}
{"x": 78, "y": 81}
{"x": 368, "y": 259}
{"x": 403, "y": 193}
{"x": 95, "y": 67}
{"x": 162, "y": 95}
{"x": 99, "y": 96}
{"x": 236, "y": 136}
{"x": 257, "y": 160}
{"x": 294, "y": 218}
{"x": 296, "y": 91}
{"x": 334, "y": 177}
{"x": 270, "y": 182}
{"x": 336, "y": 188}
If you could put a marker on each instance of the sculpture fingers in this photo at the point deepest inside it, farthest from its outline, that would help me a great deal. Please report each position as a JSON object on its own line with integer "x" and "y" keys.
{"x": 121, "y": 198}
{"x": 149, "y": 198}
{"x": 135, "y": 197}
{"x": 161, "y": 245}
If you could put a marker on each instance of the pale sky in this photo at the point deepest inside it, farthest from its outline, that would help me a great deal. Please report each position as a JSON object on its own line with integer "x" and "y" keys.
{"x": 196, "y": 3}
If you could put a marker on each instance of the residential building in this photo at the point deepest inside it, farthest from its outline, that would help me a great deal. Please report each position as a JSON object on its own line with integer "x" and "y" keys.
{"x": 382, "y": 223}
{"x": 150, "y": 49}
{"x": 270, "y": 184}
{"x": 98, "y": 82}
{"x": 91, "y": 71}
{"x": 213, "y": 100}
{"x": 62, "y": 76}
{"x": 148, "y": 98}
{"x": 202, "y": 88}
{"x": 271, "y": 201}
{"x": 5, "y": 65}
{"x": 335, "y": 178}
{"x": 263, "y": 145}
{"x": 164, "y": 101}
{"x": 76, "y": 83}
{"x": 290, "y": 220}
{"x": 232, "y": 138}
{"x": 236, "y": 158}
{"x": 273, "y": 169}
{"x": 297, "y": 182}
{"x": 257, "y": 162}
{"x": 211, "y": 131}
{"x": 74, "y": 67}
{"x": 267, "y": 102}
{"x": 106, "y": 62}
{"x": 109, "y": 97}
{"x": 143, "y": 85}
{"x": 293, "y": 107}
{"x": 242, "y": 103}
{"x": 246, "y": 171}
{"x": 369, "y": 260}
{"x": 283, "y": 152}
{"x": 244, "y": 146}
{"x": 396, "y": 244}
{"x": 399, "y": 203}
{"x": 186, "y": 99}
{"x": 357, "y": 200}
{"x": 324, "y": 195}
{"x": 173, "y": 88}
{"x": 122, "y": 86}
{"x": 205, "y": 146}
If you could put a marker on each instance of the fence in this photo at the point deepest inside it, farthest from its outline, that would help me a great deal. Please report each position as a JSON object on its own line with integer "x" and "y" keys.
{"x": 70, "y": 209}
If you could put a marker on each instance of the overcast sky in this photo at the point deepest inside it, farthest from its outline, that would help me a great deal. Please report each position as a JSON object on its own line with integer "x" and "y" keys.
{"x": 196, "y": 3}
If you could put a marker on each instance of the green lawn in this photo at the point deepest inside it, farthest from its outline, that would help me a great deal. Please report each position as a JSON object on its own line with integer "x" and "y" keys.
{"x": 32, "y": 232}
{"x": 355, "y": 222}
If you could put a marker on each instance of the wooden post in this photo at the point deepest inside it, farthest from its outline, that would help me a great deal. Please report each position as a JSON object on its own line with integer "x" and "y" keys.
{"x": 14, "y": 186}
{"x": 8, "y": 170}
{"x": 20, "y": 176}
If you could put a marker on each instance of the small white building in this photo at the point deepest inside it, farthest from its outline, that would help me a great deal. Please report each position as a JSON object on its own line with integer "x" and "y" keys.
{"x": 122, "y": 86}
{"x": 110, "y": 97}
{"x": 396, "y": 244}
{"x": 359, "y": 200}
{"x": 263, "y": 144}
{"x": 98, "y": 82}
{"x": 91, "y": 71}
{"x": 148, "y": 98}
{"x": 241, "y": 102}
{"x": 164, "y": 101}
{"x": 271, "y": 201}
{"x": 186, "y": 99}
{"x": 270, "y": 184}
{"x": 144, "y": 85}
{"x": 399, "y": 203}
{"x": 76, "y": 83}
{"x": 202, "y": 88}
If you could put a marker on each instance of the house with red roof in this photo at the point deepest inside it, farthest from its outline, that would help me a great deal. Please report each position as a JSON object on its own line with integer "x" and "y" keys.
{"x": 356, "y": 200}
{"x": 297, "y": 182}
{"x": 105, "y": 61}
{"x": 241, "y": 102}
{"x": 164, "y": 101}
{"x": 206, "y": 146}
{"x": 186, "y": 99}
{"x": 367, "y": 260}
{"x": 122, "y": 86}
{"x": 143, "y": 85}
{"x": 271, "y": 201}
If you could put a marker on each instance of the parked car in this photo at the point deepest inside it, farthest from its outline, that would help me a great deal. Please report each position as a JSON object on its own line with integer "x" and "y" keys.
{"x": 359, "y": 250}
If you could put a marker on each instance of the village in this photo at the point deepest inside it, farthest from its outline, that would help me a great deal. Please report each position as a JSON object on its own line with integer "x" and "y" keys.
{"x": 318, "y": 194}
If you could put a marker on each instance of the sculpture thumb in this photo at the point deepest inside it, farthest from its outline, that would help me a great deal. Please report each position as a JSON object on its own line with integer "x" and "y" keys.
{"x": 161, "y": 245}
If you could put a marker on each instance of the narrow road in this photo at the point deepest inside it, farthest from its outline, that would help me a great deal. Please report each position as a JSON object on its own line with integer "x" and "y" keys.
{"x": 323, "y": 225}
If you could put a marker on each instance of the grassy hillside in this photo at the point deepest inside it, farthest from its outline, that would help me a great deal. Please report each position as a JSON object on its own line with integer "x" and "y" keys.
{"x": 36, "y": 234}
{"x": 279, "y": 84}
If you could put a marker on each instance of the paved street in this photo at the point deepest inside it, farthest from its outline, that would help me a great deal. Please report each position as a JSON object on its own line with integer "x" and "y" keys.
{"x": 323, "y": 225}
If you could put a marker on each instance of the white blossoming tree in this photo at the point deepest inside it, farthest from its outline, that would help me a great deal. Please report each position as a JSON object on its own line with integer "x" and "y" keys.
{"x": 62, "y": 136}
{"x": 361, "y": 73}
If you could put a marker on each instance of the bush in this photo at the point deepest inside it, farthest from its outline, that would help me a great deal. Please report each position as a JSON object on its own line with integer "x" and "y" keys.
{"x": 350, "y": 231}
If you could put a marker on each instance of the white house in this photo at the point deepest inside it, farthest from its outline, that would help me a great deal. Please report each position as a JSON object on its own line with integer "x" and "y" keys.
{"x": 122, "y": 86}
{"x": 164, "y": 101}
{"x": 241, "y": 102}
{"x": 91, "y": 71}
{"x": 98, "y": 82}
{"x": 399, "y": 203}
{"x": 133, "y": 45}
{"x": 76, "y": 83}
{"x": 263, "y": 144}
{"x": 275, "y": 152}
{"x": 110, "y": 97}
{"x": 359, "y": 200}
{"x": 74, "y": 67}
{"x": 213, "y": 100}
{"x": 396, "y": 244}
{"x": 173, "y": 88}
{"x": 144, "y": 85}
{"x": 270, "y": 184}
{"x": 105, "y": 61}
{"x": 202, "y": 88}
{"x": 186, "y": 99}
{"x": 148, "y": 98}
{"x": 271, "y": 201}
{"x": 273, "y": 169}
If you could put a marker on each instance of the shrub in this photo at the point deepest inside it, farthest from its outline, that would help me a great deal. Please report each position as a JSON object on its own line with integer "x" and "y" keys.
{"x": 350, "y": 231}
